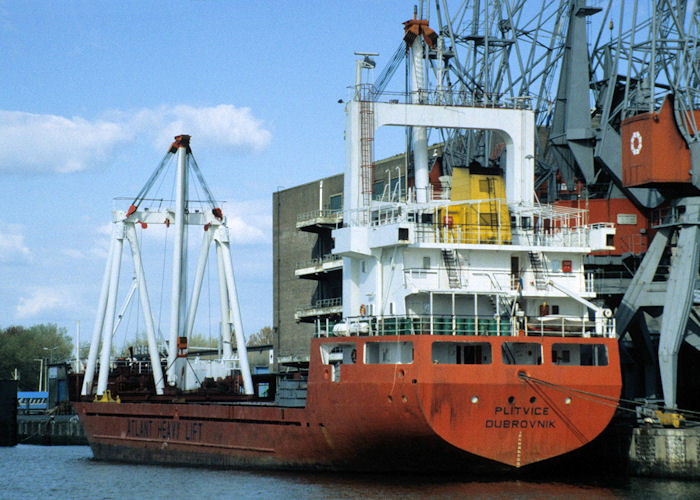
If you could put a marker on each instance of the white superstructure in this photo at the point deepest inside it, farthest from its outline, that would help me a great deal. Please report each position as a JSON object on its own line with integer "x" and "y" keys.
{"x": 509, "y": 266}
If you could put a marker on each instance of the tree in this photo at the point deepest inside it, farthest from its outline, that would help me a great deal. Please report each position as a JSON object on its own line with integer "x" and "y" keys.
{"x": 21, "y": 347}
{"x": 140, "y": 343}
{"x": 264, "y": 337}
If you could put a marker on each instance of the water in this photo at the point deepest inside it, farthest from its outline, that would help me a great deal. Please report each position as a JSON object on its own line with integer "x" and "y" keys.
{"x": 70, "y": 472}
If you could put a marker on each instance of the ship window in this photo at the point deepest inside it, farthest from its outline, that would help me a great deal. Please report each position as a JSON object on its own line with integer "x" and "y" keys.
{"x": 332, "y": 352}
{"x": 580, "y": 354}
{"x": 521, "y": 353}
{"x": 555, "y": 309}
{"x": 388, "y": 353}
{"x": 426, "y": 262}
{"x": 461, "y": 353}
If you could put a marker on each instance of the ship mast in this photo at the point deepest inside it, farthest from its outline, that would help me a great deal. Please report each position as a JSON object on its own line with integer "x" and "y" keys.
{"x": 179, "y": 283}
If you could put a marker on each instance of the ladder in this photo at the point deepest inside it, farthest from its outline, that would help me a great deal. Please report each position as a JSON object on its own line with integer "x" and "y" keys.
{"x": 449, "y": 257}
{"x": 537, "y": 264}
{"x": 366, "y": 144}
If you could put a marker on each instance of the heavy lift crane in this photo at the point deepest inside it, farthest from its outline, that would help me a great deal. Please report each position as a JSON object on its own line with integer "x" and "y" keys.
{"x": 591, "y": 148}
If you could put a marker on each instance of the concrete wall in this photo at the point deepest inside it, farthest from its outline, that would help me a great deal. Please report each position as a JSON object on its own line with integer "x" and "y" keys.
{"x": 50, "y": 430}
{"x": 665, "y": 452}
{"x": 291, "y": 246}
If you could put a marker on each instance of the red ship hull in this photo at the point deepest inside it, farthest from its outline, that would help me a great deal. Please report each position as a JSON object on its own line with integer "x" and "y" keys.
{"x": 415, "y": 416}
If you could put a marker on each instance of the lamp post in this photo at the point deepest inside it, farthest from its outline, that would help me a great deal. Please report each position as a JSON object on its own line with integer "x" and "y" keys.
{"x": 51, "y": 350}
{"x": 41, "y": 371}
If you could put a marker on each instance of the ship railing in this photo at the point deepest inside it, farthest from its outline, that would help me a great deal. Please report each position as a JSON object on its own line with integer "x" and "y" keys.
{"x": 475, "y": 325}
{"x": 163, "y": 204}
{"x": 590, "y": 282}
{"x": 569, "y": 326}
{"x": 440, "y": 97}
{"x": 537, "y": 225}
{"x": 496, "y": 281}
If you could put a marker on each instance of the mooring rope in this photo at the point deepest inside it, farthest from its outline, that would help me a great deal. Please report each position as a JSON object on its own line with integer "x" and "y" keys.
{"x": 604, "y": 400}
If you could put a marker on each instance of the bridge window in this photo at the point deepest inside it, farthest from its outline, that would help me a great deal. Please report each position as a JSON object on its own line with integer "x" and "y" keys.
{"x": 388, "y": 353}
{"x": 461, "y": 353}
{"x": 521, "y": 353}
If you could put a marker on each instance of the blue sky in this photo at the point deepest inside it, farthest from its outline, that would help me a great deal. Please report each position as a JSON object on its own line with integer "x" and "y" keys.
{"x": 92, "y": 92}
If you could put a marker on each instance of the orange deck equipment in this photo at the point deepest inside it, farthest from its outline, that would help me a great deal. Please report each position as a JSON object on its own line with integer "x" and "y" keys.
{"x": 653, "y": 150}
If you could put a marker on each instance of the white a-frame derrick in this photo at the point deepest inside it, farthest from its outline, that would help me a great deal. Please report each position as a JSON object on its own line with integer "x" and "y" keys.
{"x": 214, "y": 231}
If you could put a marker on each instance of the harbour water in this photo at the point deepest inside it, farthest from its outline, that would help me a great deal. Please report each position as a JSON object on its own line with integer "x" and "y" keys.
{"x": 28, "y": 471}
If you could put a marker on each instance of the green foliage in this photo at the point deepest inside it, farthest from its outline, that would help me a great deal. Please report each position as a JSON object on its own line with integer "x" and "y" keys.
{"x": 199, "y": 340}
{"x": 20, "y": 346}
{"x": 264, "y": 337}
{"x": 140, "y": 343}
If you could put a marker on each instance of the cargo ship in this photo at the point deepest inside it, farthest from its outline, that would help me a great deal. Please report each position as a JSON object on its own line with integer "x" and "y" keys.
{"x": 470, "y": 336}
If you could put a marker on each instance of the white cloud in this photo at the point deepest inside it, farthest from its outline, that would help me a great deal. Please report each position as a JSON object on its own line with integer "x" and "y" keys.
{"x": 222, "y": 125}
{"x": 249, "y": 222}
{"x": 50, "y": 143}
{"x": 12, "y": 247}
{"x": 43, "y": 299}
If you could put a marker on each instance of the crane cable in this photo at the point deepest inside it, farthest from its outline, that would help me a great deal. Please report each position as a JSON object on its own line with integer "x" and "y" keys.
{"x": 149, "y": 183}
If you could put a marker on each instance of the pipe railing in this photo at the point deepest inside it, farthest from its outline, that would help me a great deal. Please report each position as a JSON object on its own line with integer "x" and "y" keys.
{"x": 486, "y": 325}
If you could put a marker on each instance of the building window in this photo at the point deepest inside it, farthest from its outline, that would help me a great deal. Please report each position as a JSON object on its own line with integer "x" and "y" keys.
{"x": 400, "y": 190}
{"x": 378, "y": 189}
{"x": 336, "y": 202}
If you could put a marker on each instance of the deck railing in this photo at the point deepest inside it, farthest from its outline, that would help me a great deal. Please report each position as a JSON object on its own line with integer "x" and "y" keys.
{"x": 494, "y": 281}
{"x": 540, "y": 225}
{"x": 559, "y": 326}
